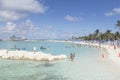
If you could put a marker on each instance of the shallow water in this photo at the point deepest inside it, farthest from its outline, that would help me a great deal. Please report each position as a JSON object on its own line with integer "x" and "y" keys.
{"x": 87, "y": 65}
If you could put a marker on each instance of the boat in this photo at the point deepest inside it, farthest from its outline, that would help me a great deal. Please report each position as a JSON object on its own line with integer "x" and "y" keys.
{"x": 14, "y": 38}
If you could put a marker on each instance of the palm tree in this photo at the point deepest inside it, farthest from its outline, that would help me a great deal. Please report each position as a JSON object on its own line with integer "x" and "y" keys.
{"x": 109, "y": 35}
{"x": 117, "y": 35}
{"x": 90, "y": 37}
{"x": 118, "y": 24}
{"x": 96, "y": 34}
{"x": 97, "y": 31}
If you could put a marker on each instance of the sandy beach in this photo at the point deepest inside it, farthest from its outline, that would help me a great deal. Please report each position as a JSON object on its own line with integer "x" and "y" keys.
{"x": 113, "y": 52}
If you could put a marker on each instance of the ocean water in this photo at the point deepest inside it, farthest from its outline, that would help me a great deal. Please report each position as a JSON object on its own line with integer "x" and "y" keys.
{"x": 87, "y": 64}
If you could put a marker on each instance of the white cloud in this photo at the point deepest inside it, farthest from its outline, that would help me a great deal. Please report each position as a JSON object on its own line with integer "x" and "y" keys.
{"x": 29, "y": 26}
{"x": 72, "y": 18}
{"x": 28, "y": 23}
{"x": 9, "y": 28}
{"x": 115, "y": 11}
{"x": 29, "y": 30}
{"x": 18, "y": 28}
{"x": 11, "y": 10}
{"x": 109, "y": 14}
{"x": 10, "y": 15}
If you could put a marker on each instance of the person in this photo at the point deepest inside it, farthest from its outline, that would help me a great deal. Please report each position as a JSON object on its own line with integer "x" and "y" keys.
{"x": 15, "y": 46}
{"x": 114, "y": 46}
{"x": 72, "y": 56}
{"x": 34, "y": 48}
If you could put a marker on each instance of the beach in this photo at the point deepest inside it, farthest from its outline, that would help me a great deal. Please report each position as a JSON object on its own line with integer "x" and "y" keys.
{"x": 38, "y": 65}
{"x": 112, "y": 52}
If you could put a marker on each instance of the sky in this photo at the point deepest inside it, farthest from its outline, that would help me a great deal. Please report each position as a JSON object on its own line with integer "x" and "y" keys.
{"x": 57, "y": 19}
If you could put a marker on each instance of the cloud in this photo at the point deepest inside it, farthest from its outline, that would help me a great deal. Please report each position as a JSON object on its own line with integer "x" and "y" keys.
{"x": 109, "y": 14}
{"x": 18, "y": 28}
{"x": 50, "y": 27}
{"x": 9, "y": 28}
{"x": 28, "y": 23}
{"x": 72, "y": 18}
{"x": 29, "y": 30}
{"x": 28, "y": 26}
{"x": 115, "y": 11}
{"x": 11, "y": 10}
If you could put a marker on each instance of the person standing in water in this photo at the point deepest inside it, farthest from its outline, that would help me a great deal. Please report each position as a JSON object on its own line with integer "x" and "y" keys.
{"x": 72, "y": 56}
{"x": 34, "y": 48}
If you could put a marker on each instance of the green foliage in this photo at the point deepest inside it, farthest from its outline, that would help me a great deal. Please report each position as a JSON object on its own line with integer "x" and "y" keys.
{"x": 118, "y": 24}
{"x": 107, "y": 35}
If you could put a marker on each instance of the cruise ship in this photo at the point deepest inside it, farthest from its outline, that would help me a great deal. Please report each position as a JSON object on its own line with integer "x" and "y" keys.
{"x": 14, "y": 38}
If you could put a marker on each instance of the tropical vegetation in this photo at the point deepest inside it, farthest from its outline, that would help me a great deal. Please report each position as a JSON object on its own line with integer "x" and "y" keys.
{"x": 97, "y": 35}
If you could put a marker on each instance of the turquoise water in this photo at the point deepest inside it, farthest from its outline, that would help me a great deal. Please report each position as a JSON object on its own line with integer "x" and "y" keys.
{"x": 87, "y": 64}
{"x": 53, "y": 47}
